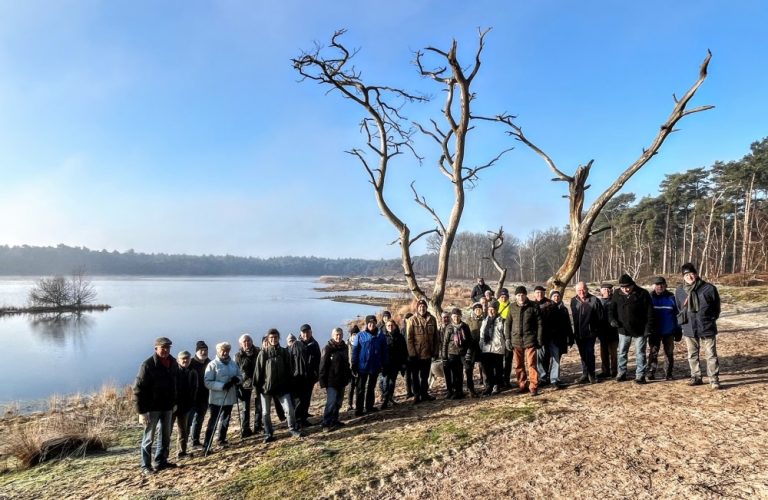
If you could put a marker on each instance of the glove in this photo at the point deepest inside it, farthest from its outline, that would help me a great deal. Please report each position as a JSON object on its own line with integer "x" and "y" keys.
{"x": 227, "y": 385}
{"x": 355, "y": 371}
{"x": 615, "y": 324}
{"x": 235, "y": 380}
{"x": 143, "y": 418}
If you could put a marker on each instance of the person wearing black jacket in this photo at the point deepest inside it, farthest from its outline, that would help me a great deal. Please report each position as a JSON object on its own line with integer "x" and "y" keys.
{"x": 272, "y": 380}
{"x": 246, "y": 360}
{"x": 608, "y": 335}
{"x": 396, "y": 362}
{"x": 587, "y": 311}
{"x": 155, "y": 395}
{"x": 558, "y": 335}
{"x": 632, "y": 315}
{"x": 479, "y": 290}
{"x": 456, "y": 341}
{"x": 197, "y": 414}
{"x": 306, "y": 380}
{"x": 335, "y": 374}
{"x": 186, "y": 388}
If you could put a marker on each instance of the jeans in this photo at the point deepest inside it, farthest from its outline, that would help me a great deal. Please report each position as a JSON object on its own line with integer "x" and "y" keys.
{"x": 226, "y": 413}
{"x": 493, "y": 365}
{"x": 525, "y": 368}
{"x": 195, "y": 421}
{"x": 387, "y": 385}
{"x": 245, "y": 411}
{"x": 286, "y": 401}
{"x": 335, "y": 396}
{"x": 508, "y": 363}
{"x": 182, "y": 424}
{"x": 608, "y": 357}
{"x": 543, "y": 362}
{"x": 710, "y": 350}
{"x": 549, "y": 371}
{"x": 163, "y": 418}
{"x": 366, "y": 391}
{"x": 587, "y": 354}
{"x": 420, "y": 372}
{"x": 454, "y": 376}
{"x": 655, "y": 342}
{"x": 640, "y": 343}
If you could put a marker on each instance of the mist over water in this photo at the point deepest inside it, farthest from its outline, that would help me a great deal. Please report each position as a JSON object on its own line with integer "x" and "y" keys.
{"x": 67, "y": 354}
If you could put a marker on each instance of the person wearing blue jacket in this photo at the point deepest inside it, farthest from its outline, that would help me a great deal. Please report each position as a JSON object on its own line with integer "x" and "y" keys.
{"x": 665, "y": 318}
{"x": 369, "y": 356}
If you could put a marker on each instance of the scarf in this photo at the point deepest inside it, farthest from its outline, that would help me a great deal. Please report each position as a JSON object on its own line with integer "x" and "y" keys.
{"x": 692, "y": 297}
{"x": 488, "y": 331}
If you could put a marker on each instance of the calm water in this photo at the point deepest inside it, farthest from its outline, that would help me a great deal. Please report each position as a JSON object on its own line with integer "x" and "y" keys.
{"x": 64, "y": 357}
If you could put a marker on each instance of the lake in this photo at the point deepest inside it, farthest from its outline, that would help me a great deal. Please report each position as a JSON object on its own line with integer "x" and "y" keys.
{"x": 80, "y": 355}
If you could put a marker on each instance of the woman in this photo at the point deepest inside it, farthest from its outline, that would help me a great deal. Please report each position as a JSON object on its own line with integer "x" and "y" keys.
{"x": 335, "y": 374}
{"x": 222, "y": 375}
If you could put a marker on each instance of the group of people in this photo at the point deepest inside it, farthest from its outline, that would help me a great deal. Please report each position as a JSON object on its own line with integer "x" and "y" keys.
{"x": 526, "y": 335}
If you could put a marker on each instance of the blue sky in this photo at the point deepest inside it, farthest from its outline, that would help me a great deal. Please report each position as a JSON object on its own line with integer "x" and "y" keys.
{"x": 180, "y": 126}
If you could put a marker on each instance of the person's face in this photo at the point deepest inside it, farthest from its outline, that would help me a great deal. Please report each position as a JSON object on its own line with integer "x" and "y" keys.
{"x": 491, "y": 311}
{"x": 538, "y": 295}
{"x": 478, "y": 311}
{"x": 689, "y": 278}
{"x": 488, "y": 294}
{"x": 370, "y": 326}
{"x": 223, "y": 353}
{"x": 521, "y": 298}
{"x": 606, "y": 292}
{"x": 456, "y": 318}
{"x": 390, "y": 326}
{"x": 626, "y": 290}
{"x": 659, "y": 288}
{"x": 503, "y": 298}
{"x": 184, "y": 362}
{"x": 337, "y": 336}
{"x": 202, "y": 353}
{"x": 556, "y": 298}
{"x": 291, "y": 342}
{"x": 306, "y": 335}
{"x": 581, "y": 291}
{"x": 480, "y": 281}
{"x": 446, "y": 319}
{"x": 246, "y": 343}
{"x": 421, "y": 309}
{"x": 163, "y": 350}
{"x": 273, "y": 340}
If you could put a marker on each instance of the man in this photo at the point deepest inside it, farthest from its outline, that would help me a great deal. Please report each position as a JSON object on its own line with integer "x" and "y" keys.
{"x": 397, "y": 358}
{"x": 422, "y": 347}
{"x": 246, "y": 359}
{"x": 305, "y": 382}
{"x": 335, "y": 374}
{"x": 503, "y": 311}
{"x": 369, "y": 356}
{"x": 587, "y": 311}
{"x": 546, "y": 307}
{"x": 186, "y": 389}
{"x": 479, "y": 290}
{"x": 524, "y": 331}
{"x": 155, "y": 396}
{"x": 222, "y": 376}
{"x": 272, "y": 379}
{"x": 409, "y": 387}
{"x": 666, "y": 327}
{"x": 382, "y": 325}
{"x": 491, "y": 346}
{"x": 456, "y": 340}
{"x": 560, "y": 336}
{"x": 474, "y": 322}
{"x": 699, "y": 305}
{"x": 608, "y": 335}
{"x": 197, "y": 415}
{"x": 632, "y": 315}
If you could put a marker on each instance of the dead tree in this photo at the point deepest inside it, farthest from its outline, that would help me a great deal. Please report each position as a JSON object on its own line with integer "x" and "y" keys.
{"x": 581, "y": 222}
{"x": 389, "y": 134}
{"x": 497, "y": 241}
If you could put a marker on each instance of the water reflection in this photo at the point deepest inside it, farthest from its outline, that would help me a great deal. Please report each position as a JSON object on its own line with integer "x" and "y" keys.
{"x": 58, "y": 328}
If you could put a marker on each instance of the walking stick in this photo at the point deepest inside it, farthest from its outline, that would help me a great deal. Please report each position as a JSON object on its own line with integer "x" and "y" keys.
{"x": 239, "y": 417}
{"x": 215, "y": 425}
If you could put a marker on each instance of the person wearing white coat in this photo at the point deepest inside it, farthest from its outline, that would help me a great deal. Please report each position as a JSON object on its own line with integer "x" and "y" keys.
{"x": 222, "y": 375}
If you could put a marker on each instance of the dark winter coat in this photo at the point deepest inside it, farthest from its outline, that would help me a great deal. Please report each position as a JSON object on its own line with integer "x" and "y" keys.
{"x": 273, "y": 374}
{"x": 523, "y": 325}
{"x": 606, "y": 332}
{"x": 478, "y": 291}
{"x": 199, "y": 368}
{"x": 562, "y": 333}
{"x": 664, "y": 313}
{"x": 186, "y": 387}
{"x": 456, "y": 340}
{"x": 397, "y": 351}
{"x": 633, "y": 313}
{"x": 247, "y": 363}
{"x": 423, "y": 342}
{"x": 155, "y": 387}
{"x": 311, "y": 359}
{"x": 369, "y": 352}
{"x": 702, "y": 323}
{"x": 586, "y": 316}
{"x": 546, "y": 310}
{"x": 334, "y": 366}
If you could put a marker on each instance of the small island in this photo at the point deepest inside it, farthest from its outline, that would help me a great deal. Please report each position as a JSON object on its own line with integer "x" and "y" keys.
{"x": 59, "y": 295}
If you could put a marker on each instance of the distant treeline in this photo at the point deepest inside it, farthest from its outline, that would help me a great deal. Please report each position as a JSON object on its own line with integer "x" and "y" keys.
{"x": 40, "y": 261}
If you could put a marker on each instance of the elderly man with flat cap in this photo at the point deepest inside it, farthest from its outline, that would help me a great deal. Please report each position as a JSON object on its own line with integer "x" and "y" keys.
{"x": 155, "y": 396}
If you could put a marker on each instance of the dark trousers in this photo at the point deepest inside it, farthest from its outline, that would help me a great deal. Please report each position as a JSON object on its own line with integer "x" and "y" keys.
{"x": 226, "y": 412}
{"x": 302, "y": 398}
{"x": 656, "y": 341}
{"x": 352, "y": 392}
{"x": 420, "y": 372}
{"x": 387, "y": 381}
{"x": 454, "y": 376}
{"x": 508, "y": 362}
{"x": 245, "y": 395}
{"x": 410, "y": 389}
{"x": 195, "y": 421}
{"x": 493, "y": 365}
{"x": 609, "y": 356}
{"x": 469, "y": 372}
{"x": 587, "y": 355}
{"x": 366, "y": 391}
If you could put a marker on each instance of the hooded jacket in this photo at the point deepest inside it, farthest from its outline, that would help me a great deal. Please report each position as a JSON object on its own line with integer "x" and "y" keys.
{"x": 701, "y": 323}
{"x": 369, "y": 352}
{"x": 217, "y": 373}
{"x": 273, "y": 373}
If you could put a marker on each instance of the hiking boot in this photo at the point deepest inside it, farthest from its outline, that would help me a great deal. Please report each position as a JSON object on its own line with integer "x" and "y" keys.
{"x": 603, "y": 375}
{"x": 197, "y": 444}
{"x": 459, "y": 395}
{"x": 669, "y": 377}
{"x": 641, "y": 381}
{"x": 358, "y": 413}
{"x": 182, "y": 454}
{"x": 651, "y": 376}
{"x": 621, "y": 378}
{"x": 695, "y": 381}
{"x": 384, "y": 405}
{"x": 715, "y": 385}
{"x": 560, "y": 385}
{"x": 416, "y": 400}
{"x": 522, "y": 389}
{"x": 148, "y": 471}
{"x": 165, "y": 465}
{"x": 543, "y": 383}
{"x": 534, "y": 393}
{"x": 592, "y": 379}
{"x": 297, "y": 434}
{"x": 246, "y": 433}
{"x": 474, "y": 394}
{"x": 584, "y": 379}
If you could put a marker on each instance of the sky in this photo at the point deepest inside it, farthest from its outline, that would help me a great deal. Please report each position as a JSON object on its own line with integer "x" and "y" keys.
{"x": 182, "y": 127}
